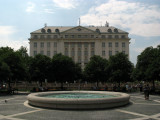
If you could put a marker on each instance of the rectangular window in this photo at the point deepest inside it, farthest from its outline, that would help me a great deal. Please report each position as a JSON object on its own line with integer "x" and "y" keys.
{"x": 103, "y": 53}
{"x": 72, "y": 44}
{"x": 35, "y": 36}
{"x": 72, "y": 53}
{"x": 72, "y": 36}
{"x": 66, "y": 44}
{"x": 42, "y": 44}
{"x": 110, "y": 36}
{"x": 42, "y": 36}
{"x": 103, "y": 36}
{"x": 79, "y": 36}
{"x": 92, "y": 44}
{"x": 48, "y": 53}
{"x": 110, "y": 44}
{"x": 85, "y": 36}
{"x": 42, "y": 52}
{"x": 66, "y": 53}
{"x": 92, "y": 36}
{"x": 110, "y": 53}
{"x": 79, "y": 45}
{"x": 123, "y": 36}
{"x": 86, "y": 53}
{"x": 85, "y": 44}
{"x": 79, "y": 60}
{"x": 123, "y": 44}
{"x": 86, "y": 59}
{"x": 92, "y": 53}
{"x": 123, "y": 52}
{"x": 55, "y": 36}
{"x": 35, "y": 45}
{"x": 116, "y": 44}
{"x": 34, "y": 53}
{"x": 49, "y": 36}
{"x": 55, "y": 44}
{"x": 48, "y": 44}
{"x": 79, "y": 53}
{"x": 55, "y": 52}
{"x": 116, "y": 52}
{"x": 66, "y": 36}
{"x": 103, "y": 44}
{"x": 116, "y": 36}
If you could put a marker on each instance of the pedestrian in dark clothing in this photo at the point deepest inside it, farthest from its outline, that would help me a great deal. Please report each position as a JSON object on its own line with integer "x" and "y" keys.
{"x": 140, "y": 87}
{"x": 146, "y": 92}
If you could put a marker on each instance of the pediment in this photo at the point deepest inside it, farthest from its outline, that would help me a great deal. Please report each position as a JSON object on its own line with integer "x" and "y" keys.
{"x": 79, "y": 29}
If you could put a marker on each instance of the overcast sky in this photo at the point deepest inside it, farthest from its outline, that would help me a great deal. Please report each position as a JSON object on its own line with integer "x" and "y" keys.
{"x": 141, "y": 18}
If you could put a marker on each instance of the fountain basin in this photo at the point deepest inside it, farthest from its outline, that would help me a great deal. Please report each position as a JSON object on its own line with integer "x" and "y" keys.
{"x": 99, "y": 101}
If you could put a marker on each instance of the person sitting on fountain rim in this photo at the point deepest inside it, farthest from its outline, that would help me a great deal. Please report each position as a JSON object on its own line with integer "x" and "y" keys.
{"x": 146, "y": 91}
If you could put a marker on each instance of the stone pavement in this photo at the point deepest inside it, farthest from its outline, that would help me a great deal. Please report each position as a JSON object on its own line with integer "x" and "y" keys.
{"x": 17, "y": 108}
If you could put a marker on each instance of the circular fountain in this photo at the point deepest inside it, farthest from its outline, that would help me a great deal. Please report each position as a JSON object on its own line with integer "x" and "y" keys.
{"x": 78, "y": 99}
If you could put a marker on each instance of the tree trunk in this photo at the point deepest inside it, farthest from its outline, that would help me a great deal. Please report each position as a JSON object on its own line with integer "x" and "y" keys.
{"x": 119, "y": 86}
{"x": 41, "y": 83}
{"x": 153, "y": 88}
{"x": 97, "y": 85}
{"x": 61, "y": 85}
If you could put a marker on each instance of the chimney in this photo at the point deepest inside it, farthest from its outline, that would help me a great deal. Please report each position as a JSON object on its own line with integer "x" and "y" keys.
{"x": 107, "y": 24}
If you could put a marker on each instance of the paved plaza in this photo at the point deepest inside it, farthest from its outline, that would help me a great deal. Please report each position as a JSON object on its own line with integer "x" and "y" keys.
{"x": 17, "y": 108}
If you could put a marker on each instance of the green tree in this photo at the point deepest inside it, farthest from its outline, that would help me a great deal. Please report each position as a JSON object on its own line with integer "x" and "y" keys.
{"x": 39, "y": 68}
{"x": 22, "y": 52}
{"x": 148, "y": 65}
{"x": 120, "y": 68}
{"x": 96, "y": 69}
{"x": 5, "y": 72}
{"x": 64, "y": 69}
{"x": 14, "y": 63}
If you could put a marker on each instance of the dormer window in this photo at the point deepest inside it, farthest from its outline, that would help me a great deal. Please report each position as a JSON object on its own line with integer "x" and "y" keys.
{"x": 79, "y": 29}
{"x": 43, "y": 30}
{"x": 109, "y": 30}
{"x": 97, "y": 30}
{"x": 49, "y": 31}
{"x": 57, "y": 30}
{"x": 115, "y": 30}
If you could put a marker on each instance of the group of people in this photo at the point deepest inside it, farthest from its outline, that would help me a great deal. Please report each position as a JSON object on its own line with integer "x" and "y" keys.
{"x": 142, "y": 88}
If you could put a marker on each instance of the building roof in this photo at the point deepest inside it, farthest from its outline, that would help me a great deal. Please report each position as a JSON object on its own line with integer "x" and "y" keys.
{"x": 102, "y": 29}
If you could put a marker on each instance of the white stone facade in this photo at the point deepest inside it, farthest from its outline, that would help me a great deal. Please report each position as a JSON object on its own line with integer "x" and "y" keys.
{"x": 80, "y": 42}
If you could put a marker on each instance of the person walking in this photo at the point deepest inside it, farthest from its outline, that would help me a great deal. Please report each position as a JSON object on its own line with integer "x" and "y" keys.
{"x": 146, "y": 92}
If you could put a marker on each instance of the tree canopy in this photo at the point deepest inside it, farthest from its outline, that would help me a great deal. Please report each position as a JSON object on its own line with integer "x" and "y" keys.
{"x": 39, "y": 68}
{"x": 64, "y": 69}
{"x": 96, "y": 69}
{"x": 120, "y": 68}
{"x": 148, "y": 64}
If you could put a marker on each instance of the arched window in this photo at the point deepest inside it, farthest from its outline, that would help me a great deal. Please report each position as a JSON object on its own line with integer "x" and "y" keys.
{"x": 57, "y": 30}
{"x": 115, "y": 30}
{"x": 109, "y": 30}
{"x": 49, "y": 31}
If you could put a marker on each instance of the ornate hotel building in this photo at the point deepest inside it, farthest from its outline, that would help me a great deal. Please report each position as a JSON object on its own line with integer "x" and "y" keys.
{"x": 79, "y": 42}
